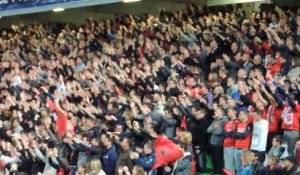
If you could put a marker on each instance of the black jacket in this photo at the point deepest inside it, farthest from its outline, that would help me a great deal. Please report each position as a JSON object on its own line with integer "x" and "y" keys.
{"x": 258, "y": 169}
{"x": 275, "y": 171}
{"x": 198, "y": 129}
{"x": 292, "y": 171}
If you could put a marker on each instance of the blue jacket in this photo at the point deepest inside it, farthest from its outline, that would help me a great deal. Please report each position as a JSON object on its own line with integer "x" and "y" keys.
{"x": 247, "y": 170}
{"x": 146, "y": 161}
{"x": 109, "y": 160}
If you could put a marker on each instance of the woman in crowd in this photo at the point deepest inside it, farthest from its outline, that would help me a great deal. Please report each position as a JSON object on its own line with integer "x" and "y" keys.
{"x": 246, "y": 162}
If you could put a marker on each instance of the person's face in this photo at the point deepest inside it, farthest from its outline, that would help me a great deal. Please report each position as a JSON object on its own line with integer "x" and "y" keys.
{"x": 275, "y": 143}
{"x": 124, "y": 143}
{"x": 242, "y": 116}
{"x": 241, "y": 86}
{"x": 286, "y": 163}
{"x": 273, "y": 18}
{"x": 199, "y": 114}
{"x": 168, "y": 113}
{"x": 253, "y": 157}
{"x": 241, "y": 73}
{"x": 222, "y": 101}
{"x": 192, "y": 82}
{"x": 256, "y": 116}
{"x": 218, "y": 113}
{"x": 103, "y": 138}
{"x": 109, "y": 106}
{"x": 94, "y": 143}
{"x": 231, "y": 113}
{"x": 270, "y": 161}
{"x": 288, "y": 41}
{"x": 156, "y": 98}
{"x": 172, "y": 84}
{"x": 257, "y": 60}
{"x": 106, "y": 143}
{"x": 234, "y": 47}
{"x": 230, "y": 82}
{"x": 204, "y": 90}
{"x": 217, "y": 91}
{"x": 244, "y": 160}
{"x": 15, "y": 123}
{"x": 44, "y": 133}
{"x": 93, "y": 167}
{"x": 259, "y": 104}
{"x": 147, "y": 150}
{"x": 173, "y": 60}
{"x": 119, "y": 128}
{"x": 244, "y": 28}
{"x": 238, "y": 56}
{"x": 231, "y": 102}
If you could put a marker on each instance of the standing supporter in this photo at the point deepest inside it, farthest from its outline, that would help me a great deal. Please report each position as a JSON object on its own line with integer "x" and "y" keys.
{"x": 290, "y": 118}
{"x": 110, "y": 157}
{"x": 184, "y": 164}
{"x": 92, "y": 150}
{"x": 259, "y": 136}
{"x": 198, "y": 125}
{"x": 232, "y": 88}
{"x": 216, "y": 130}
{"x": 146, "y": 159}
{"x": 257, "y": 165}
{"x": 273, "y": 116}
{"x": 229, "y": 142}
{"x": 124, "y": 155}
{"x": 246, "y": 163}
{"x": 242, "y": 136}
{"x": 168, "y": 124}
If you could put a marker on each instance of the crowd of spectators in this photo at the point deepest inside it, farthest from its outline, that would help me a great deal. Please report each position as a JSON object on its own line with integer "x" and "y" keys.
{"x": 92, "y": 99}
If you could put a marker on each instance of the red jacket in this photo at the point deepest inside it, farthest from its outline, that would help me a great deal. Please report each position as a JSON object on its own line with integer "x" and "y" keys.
{"x": 228, "y": 127}
{"x": 273, "y": 116}
{"x": 290, "y": 118}
{"x": 243, "y": 135}
{"x": 275, "y": 67}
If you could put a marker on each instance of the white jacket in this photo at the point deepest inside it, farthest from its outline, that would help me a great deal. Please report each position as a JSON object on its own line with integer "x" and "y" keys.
{"x": 260, "y": 135}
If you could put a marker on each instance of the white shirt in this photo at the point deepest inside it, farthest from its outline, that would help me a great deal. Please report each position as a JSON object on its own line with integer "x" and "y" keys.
{"x": 260, "y": 135}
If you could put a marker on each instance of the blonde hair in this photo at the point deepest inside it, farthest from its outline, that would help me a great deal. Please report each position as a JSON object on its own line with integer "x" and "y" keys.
{"x": 129, "y": 115}
{"x": 219, "y": 91}
{"x": 139, "y": 170}
{"x": 95, "y": 165}
{"x": 186, "y": 137}
{"x": 213, "y": 76}
{"x": 246, "y": 155}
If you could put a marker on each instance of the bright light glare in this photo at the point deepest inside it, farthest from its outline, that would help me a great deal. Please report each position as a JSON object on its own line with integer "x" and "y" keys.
{"x": 59, "y": 9}
{"x": 128, "y": 1}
